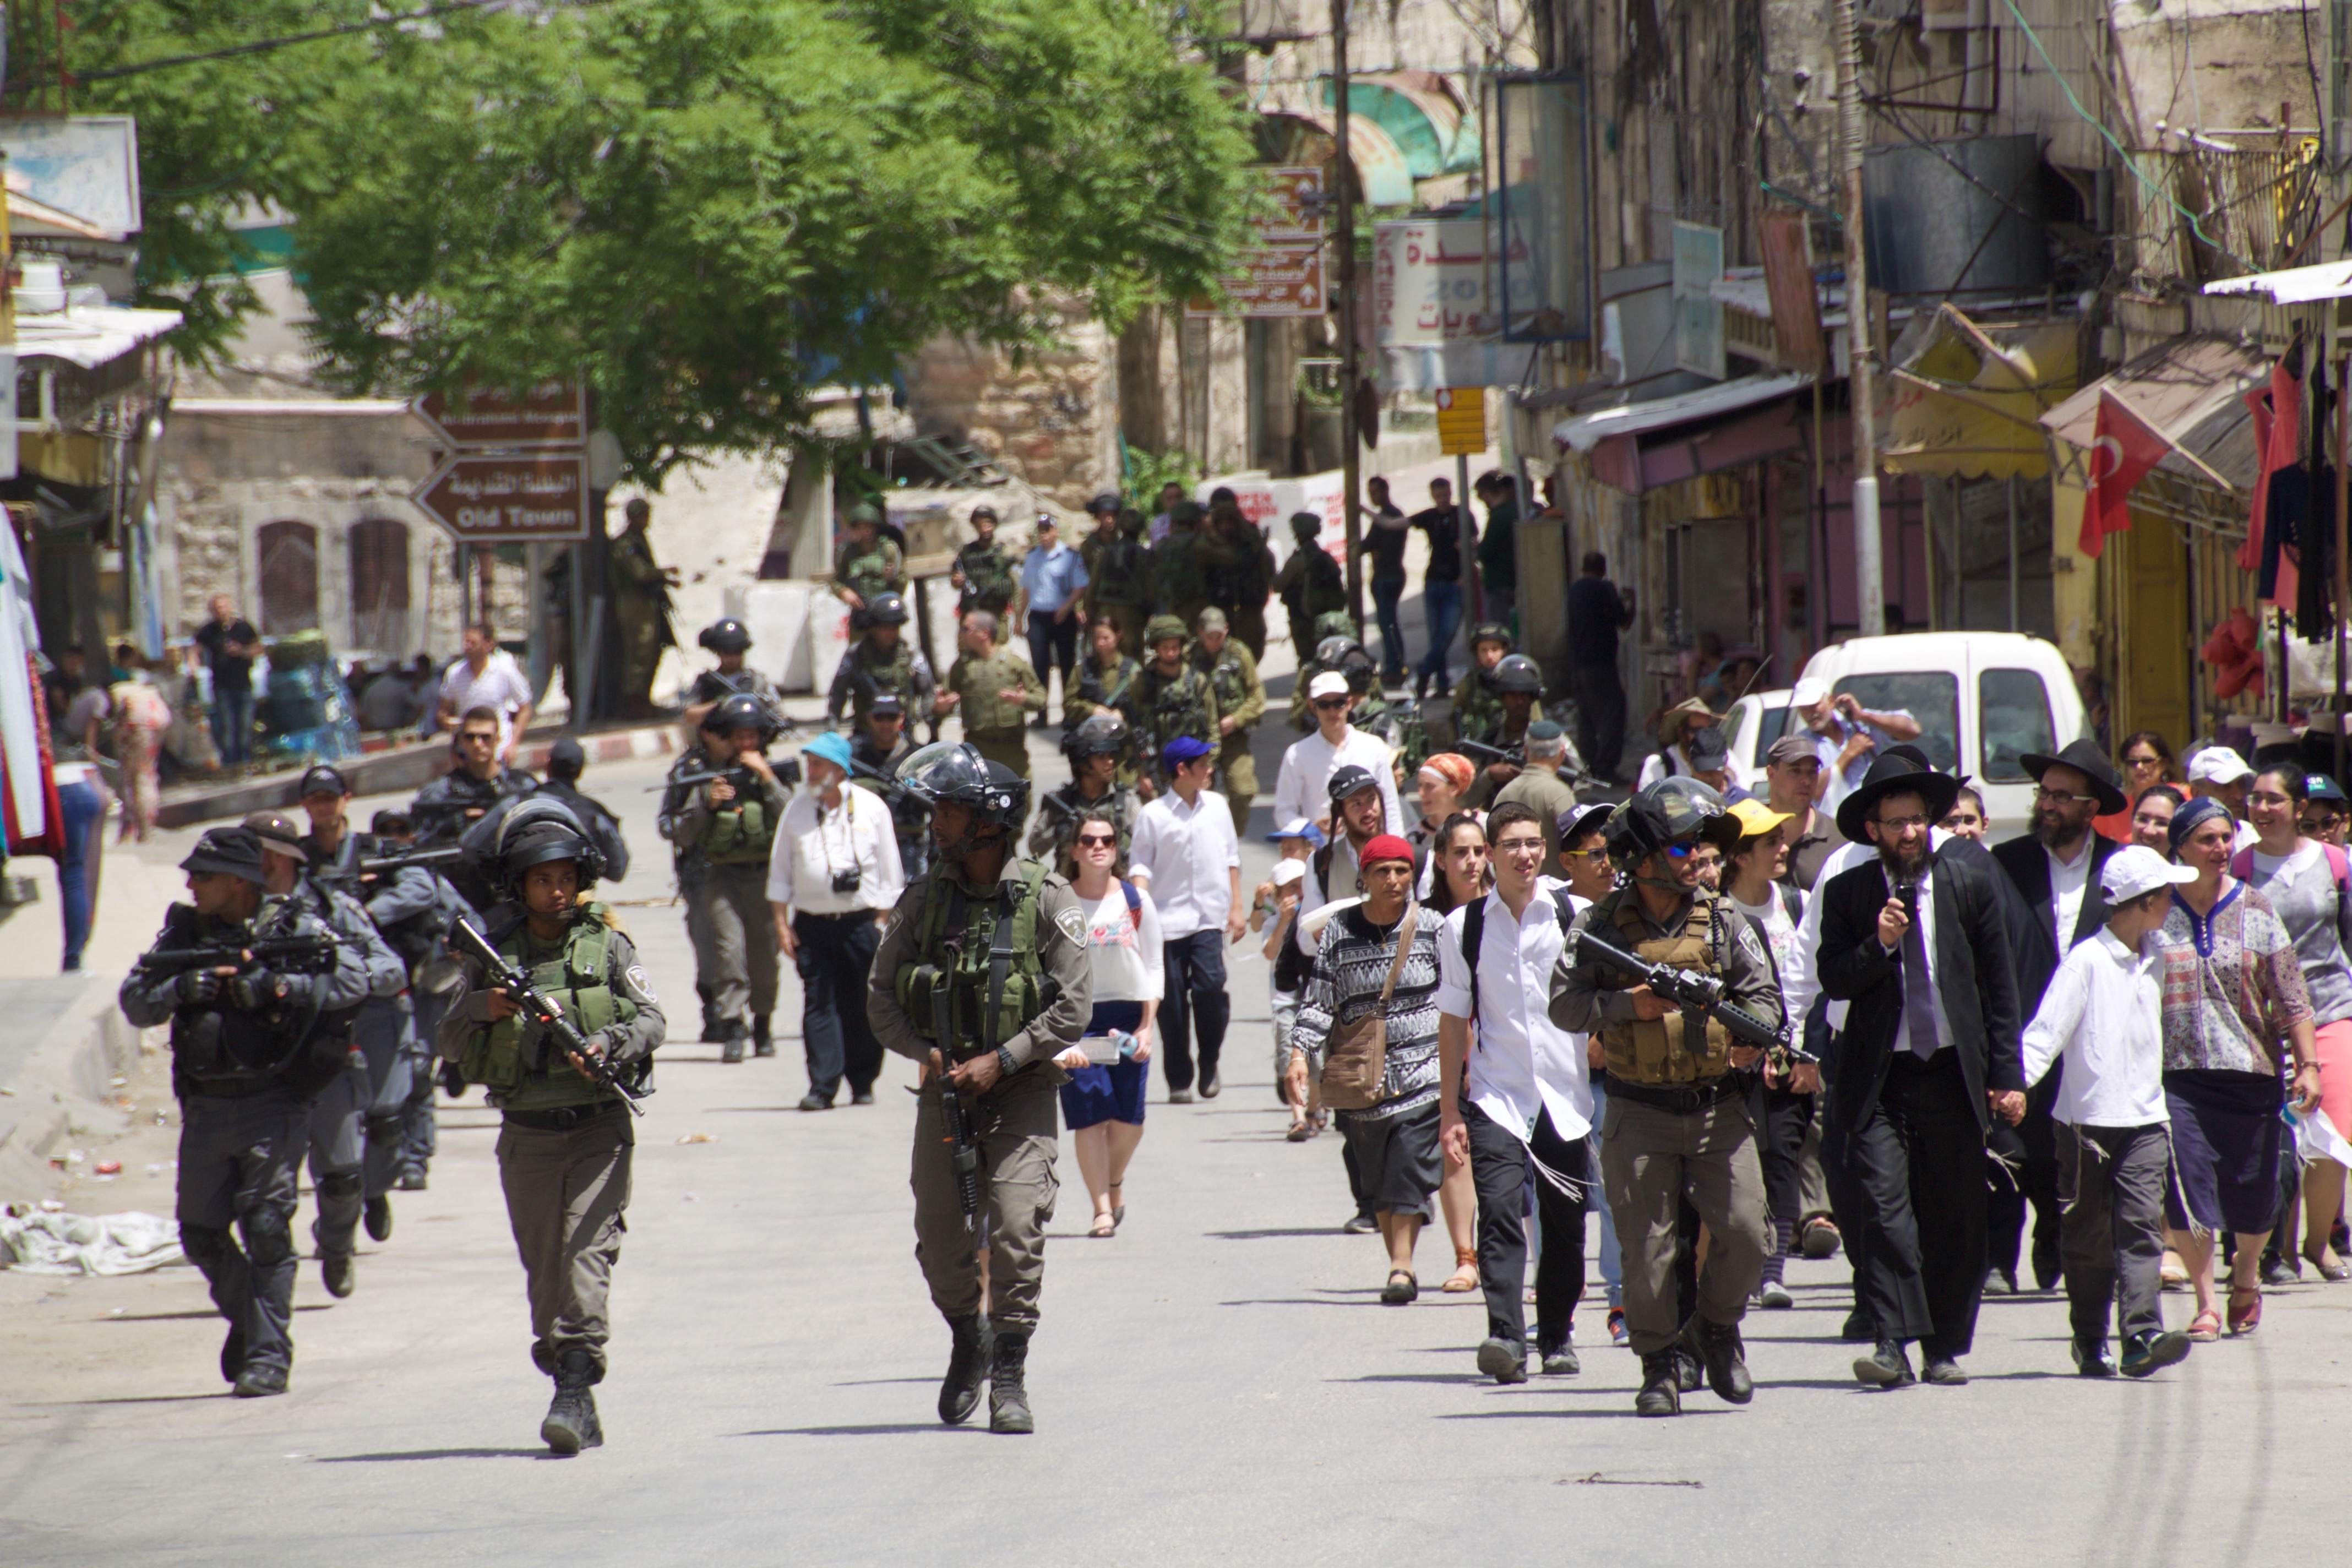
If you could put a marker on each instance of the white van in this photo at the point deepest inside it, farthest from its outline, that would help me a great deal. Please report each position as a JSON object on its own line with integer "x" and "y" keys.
{"x": 1755, "y": 721}
{"x": 1983, "y": 700}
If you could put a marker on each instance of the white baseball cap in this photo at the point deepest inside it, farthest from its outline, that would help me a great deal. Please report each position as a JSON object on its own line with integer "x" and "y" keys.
{"x": 2136, "y": 869}
{"x": 1808, "y": 691}
{"x": 2218, "y": 765}
{"x": 1288, "y": 871}
{"x": 1330, "y": 683}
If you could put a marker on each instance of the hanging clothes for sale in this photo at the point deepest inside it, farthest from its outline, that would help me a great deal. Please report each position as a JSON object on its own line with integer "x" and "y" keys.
{"x": 2285, "y": 496}
{"x": 28, "y": 792}
{"x": 2313, "y": 593}
{"x": 2277, "y": 411}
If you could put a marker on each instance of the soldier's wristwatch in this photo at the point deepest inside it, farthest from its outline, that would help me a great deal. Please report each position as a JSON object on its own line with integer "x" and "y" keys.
{"x": 1004, "y": 1061}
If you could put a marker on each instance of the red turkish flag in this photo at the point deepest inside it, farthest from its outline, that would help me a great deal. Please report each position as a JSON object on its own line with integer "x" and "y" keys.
{"x": 2122, "y": 452}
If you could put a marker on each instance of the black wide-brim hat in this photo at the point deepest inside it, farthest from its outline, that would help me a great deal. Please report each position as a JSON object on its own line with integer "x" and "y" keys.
{"x": 2085, "y": 758}
{"x": 1893, "y": 773}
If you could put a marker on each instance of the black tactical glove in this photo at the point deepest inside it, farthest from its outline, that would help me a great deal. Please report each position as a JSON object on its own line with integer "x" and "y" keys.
{"x": 196, "y": 988}
{"x": 261, "y": 989}
{"x": 453, "y": 1081}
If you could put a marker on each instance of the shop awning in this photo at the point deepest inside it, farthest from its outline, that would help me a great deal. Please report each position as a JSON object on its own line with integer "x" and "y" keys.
{"x": 90, "y": 335}
{"x": 2292, "y": 285}
{"x": 2190, "y": 391}
{"x": 1419, "y": 114}
{"x": 1642, "y": 446}
{"x": 1967, "y": 400}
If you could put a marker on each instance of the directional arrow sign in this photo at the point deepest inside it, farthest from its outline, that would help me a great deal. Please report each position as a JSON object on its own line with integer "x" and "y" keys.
{"x": 487, "y": 500}
{"x": 551, "y": 414}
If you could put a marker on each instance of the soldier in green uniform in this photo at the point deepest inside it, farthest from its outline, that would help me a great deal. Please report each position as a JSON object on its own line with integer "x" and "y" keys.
{"x": 866, "y": 565}
{"x": 1232, "y": 675}
{"x": 1517, "y": 687}
{"x": 1477, "y": 708}
{"x": 1120, "y": 585}
{"x": 1332, "y": 629}
{"x": 1172, "y": 698}
{"x": 982, "y": 573}
{"x": 641, "y": 588}
{"x": 984, "y": 977}
{"x": 1241, "y": 584}
{"x": 1679, "y": 1129}
{"x": 726, "y": 827}
{"x": 1107, "y": 677}
{"x": 995, "y": 691}
{"x": 730, "y": 639}
{"x": 1310, "y": 584}
{"x": 1181, "y": 565}
{"x": 881, "y": 660}
{"x": 876, "y": 756}
{"x": 1097, "y": 749}
{"x": 564, "y": 1148}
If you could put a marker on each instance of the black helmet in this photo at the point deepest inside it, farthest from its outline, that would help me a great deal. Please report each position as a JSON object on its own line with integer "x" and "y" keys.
{"x": 1360, "y": 667}
{"x": 1333, "y": 650}
{"x": 565, "y": 759}
{"x": 728, "y": 635}
{"x": 1491, "y": 631}
{"x": 742, "y": 711}
{"x": 1347, "y": 779}
{"x": 954, "y": 772}
{"x": 886, "y": 610}
{"x": 1107, "y": 502}
{"x": 1668, "y": 812}
{"x": 539, "y": 830}
{"x": 1517, "y": 672}
{"x": 1102, "y": 733}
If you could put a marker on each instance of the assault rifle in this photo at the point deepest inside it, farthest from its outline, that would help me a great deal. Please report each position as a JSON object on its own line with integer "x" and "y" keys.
{"x": 370, "y": 868}
{"x": 503, "y": 974}
{"x": 886, "y": 785}
{"x": 1700, "y": 994}
{"x": 746, "y": 781}
{"x": 313, "y": 954}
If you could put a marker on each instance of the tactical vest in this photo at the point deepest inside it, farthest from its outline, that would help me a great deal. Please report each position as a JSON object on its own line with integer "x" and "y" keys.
{"x": 222, "y": 1052}
{"x": 1224, "y": 673}
{"x": 1182, "y": 581}
{"x": 1106, "y": 690}
{"x": 577, "y": 981}
{"x": 969, "y": 994}
{"x": 1657, "y": 1052}
{"x": 1179, "y": 706}
{"x": 987, "y": 575}
{"x": 875, "y": 677}
{"x": 740, "y": 832}
{"x": 1119, "y": 578}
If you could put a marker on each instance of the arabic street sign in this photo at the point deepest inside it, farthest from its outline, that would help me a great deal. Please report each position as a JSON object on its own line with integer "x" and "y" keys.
{"x": 551, "y": 414}
{"x": 503, "y": 500}
{"x": 1279, "y": 280}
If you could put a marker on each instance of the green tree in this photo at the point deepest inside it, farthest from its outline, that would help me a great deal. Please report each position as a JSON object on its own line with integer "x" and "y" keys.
{"x": 711, "y": 206}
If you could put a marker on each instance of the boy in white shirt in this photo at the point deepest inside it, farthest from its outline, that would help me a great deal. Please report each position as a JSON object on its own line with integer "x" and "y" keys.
{"x": 2103, "y": 1016}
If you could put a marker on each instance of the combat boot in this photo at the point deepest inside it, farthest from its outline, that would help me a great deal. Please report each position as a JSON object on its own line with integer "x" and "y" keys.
{"x": 761, "y": 1045}
{"x": 731, "y": 1047}
{"x": 571, "y": 1424}
{"x": 1008, "y": 1396}
{"x": 1661, "y": 1386}
{"x": 377, "y": 1216}
{"x": 1726, "y": 1362}
{"x": 967, "y": 1369}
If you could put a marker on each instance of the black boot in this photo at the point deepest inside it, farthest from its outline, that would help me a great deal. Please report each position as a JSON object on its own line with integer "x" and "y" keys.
{"x": 1726, "y": 1362}
{"x": 232, "y": 1353}
{"x": 1661, "y": 1386}
{"x": 377, "y": 1217}
{"x": 761, "y": 1045}
{"x": 730, "y": 1049}
{"x": 1008, "y": 1396}
{"x": 337, "y": 1271}
{"x": 967, "y": 1369}
{"x": 571, "y": 1424}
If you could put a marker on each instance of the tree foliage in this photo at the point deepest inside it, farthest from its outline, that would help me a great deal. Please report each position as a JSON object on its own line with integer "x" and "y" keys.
{"x": 708, "y": 207}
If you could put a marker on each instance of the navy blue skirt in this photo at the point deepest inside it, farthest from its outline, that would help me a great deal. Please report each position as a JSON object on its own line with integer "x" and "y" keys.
{"x": 2226, "y": 1143}
{"x": 1113, "y": 1093}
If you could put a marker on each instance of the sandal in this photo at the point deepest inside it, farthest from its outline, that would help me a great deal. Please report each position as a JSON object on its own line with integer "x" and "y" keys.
{"x": 1396, "y": 1295}
{"x": 1117, "y": 1210}
{"x": 1465, "y": 1272}
{"x": 2205, "y": 1327}
{"x": 1299, "y": 1133}
{"x": 2250, "y": 1318}
{"x": 1104, "y": 1226}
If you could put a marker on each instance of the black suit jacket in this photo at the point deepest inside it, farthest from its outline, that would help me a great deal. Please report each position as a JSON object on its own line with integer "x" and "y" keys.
{"x": 2028, "y": 866}
{"x": 1975, "y": 978}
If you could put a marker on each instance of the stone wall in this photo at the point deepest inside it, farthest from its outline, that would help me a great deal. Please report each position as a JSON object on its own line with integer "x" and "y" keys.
{"x": 1049, "y": 418}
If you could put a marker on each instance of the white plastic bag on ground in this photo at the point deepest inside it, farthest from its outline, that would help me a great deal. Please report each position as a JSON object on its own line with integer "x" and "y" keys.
{"x": 128, "y": 1242}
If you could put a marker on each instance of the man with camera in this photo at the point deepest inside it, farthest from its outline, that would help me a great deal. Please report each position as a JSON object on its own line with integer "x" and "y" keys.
{"x": 833, "y": 875}
{"x": 723, "y": 829}
{"x": 250, "y": 986}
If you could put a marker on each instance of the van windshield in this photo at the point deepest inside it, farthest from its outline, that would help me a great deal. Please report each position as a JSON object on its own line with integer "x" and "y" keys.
{"x": 2014, "y": 714}
{"x": 1931, "y": 697}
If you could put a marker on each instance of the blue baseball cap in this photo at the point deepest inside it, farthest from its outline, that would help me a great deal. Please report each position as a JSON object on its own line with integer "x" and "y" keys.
{"x": 1297, "y": 827}
{"x": 831, "y": 747}
{"x": 1184, "y": 748}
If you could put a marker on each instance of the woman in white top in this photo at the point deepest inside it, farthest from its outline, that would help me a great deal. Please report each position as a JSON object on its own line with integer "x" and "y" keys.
{"x": 1109, "y": 1067}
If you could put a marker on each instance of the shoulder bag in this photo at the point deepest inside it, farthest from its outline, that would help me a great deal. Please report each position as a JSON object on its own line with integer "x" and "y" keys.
{"x": 1356, "y": 1056}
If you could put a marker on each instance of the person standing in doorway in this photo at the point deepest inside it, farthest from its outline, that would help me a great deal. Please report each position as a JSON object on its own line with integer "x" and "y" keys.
{"x": 229, "y": 646}
{"x": 1052, "y": 578}
{"x": 1185, "y": 854}
{"x": 1596, "y": 611}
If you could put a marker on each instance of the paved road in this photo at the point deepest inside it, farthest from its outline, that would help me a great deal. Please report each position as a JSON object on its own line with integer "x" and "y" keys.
{"x": 1216, "y": 1384}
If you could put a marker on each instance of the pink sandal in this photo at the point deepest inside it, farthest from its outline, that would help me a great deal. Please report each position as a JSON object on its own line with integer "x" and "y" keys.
{"x": 2205, "y": 1327}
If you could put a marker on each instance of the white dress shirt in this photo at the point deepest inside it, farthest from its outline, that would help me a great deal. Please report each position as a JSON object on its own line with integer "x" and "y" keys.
{"x": 1521, "y": 1064}
{"x": 813, "y": 843}
{"x": 1302, "y": 787}
{"x": 2066, "y": 886}
{"x": 2104, "y": 1016}
{"x": 1182, "y": 854}
{"x": 502, "y": 685}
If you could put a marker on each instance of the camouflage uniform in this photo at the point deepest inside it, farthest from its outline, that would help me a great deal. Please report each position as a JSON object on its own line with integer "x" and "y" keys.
{"x": 987, "y": 578}
{"x": 641, "y": 605}
{"x": 1241, "y": 696}
{"x": 879, "y": 568}
{"x": 865, "y": 673}
{"x": 1119, "y": 586}
{"x": 992, "y": 722}
{"x": 1171, "y": 705}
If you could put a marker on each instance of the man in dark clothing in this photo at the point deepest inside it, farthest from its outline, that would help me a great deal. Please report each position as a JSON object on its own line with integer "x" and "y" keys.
{"x": 1597, "y": 611}
{"x": 565, "y": 762}
{"x": 1498, "y": 551}
{"x": 1440, "y": 584}
{"x": 1385, "y": 534}
{"x": 230, "y": 645}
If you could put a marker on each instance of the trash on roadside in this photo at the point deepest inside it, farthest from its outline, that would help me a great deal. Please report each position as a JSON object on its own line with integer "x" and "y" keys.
{"x": 698, "y": 1137}
{"x": 57, "y": 1243}
{"x": 109, "y": 1167}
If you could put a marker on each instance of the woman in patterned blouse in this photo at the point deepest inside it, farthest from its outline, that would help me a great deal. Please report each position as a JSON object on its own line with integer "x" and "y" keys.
{"x": 2232, "y": 992}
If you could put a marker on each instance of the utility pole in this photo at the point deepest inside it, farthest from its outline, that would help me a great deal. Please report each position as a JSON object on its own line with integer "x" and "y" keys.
{"x": 1870, "y": 573}
{"x": 1343, "y": 296}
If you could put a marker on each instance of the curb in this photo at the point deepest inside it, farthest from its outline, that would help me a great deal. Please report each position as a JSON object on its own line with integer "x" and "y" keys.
{"x": 65, "y": 1081}
{"x": 403, "y": 768}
